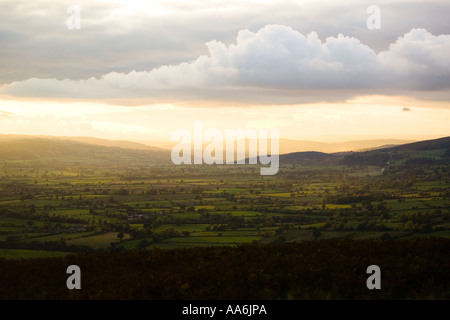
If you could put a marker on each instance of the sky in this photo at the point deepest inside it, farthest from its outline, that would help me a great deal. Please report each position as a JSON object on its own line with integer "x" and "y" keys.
{"x": 138, "y": 70}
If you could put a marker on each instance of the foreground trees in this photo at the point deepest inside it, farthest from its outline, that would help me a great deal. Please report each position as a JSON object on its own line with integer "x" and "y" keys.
{"x": 321, "y": 269}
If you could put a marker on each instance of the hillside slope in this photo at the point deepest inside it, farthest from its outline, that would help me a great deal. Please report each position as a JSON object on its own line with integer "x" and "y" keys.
{"x": 436, "y": 151}
{"x": 65, "y": 151}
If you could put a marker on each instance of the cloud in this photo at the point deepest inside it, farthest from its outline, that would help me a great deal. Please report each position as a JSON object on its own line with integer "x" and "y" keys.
{"x": 419, "y": 60}
{"x": 275, "y": 61}
{"x": 122, "y": 36}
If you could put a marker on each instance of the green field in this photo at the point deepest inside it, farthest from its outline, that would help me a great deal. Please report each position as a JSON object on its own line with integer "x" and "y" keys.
{"x": 54, "y": 208}
{"x": 97, "y": 241}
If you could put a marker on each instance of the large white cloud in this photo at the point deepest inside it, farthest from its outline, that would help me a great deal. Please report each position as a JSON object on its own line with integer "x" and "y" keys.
{"x": 275, "y": 60}
{"x": 419, "y": 60}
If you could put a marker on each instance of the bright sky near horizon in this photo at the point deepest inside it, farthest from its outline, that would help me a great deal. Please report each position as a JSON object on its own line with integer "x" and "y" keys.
{"x": 137, "y": 70}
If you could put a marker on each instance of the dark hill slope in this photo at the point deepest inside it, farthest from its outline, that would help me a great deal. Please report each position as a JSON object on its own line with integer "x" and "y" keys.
{"x": 435, "y": 151}
{"x": 307, "y": 158}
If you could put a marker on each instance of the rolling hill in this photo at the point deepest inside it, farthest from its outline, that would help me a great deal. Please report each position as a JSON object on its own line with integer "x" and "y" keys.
{"x": 85, "y": 150}
{"x": 307, "y": 158}
{"x": 74, "y": 152}
{"x": 436, "y": 151}
{"x": 423, "y": 152}
{"x": 291, "y": 146}
{"x": 87, "y": 140}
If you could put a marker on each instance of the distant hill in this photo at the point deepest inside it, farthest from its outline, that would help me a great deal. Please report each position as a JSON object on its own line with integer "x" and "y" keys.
{"x": 88, "y": 140}
{"x": 378, "y": 148}
{"x": 85, "y": 150}
{"x": 285, "y": 145}
{"x": 435, "y": 144}
{"x": 422, "y": 152}
{"x": 307, "y": 158}
{"x": 112, "y": 143}
{"x": 290, "y": 146}
{"x": 74, "y": 152}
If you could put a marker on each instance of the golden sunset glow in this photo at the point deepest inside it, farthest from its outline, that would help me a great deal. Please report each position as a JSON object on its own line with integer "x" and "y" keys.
{"x": 357, "y": 119}
{"x": 135, "y": 70}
